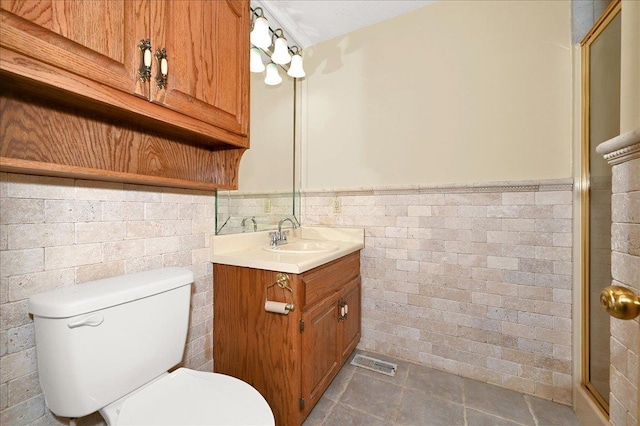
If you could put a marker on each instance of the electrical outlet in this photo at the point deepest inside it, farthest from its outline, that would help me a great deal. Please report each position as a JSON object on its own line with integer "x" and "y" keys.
{"x": 267, "y": 205}
{"x": 337, "y": 207}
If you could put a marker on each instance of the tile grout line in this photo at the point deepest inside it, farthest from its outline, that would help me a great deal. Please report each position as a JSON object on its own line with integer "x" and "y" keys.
{"x": 464, "y": 403}
{"x": 535, "y": 419}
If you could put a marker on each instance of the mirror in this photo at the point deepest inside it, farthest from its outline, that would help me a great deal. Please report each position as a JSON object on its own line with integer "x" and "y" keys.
{"x": 267, "y": 181}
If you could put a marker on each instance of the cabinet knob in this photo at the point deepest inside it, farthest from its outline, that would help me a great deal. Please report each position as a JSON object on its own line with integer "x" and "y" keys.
{"x": 344, "y": 310}
{"x": 163, "y": 68}
{"x": 144, "y": 72}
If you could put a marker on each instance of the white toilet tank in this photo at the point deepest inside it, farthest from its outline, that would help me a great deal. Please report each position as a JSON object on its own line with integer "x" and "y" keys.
{"x": 98, "y": 341}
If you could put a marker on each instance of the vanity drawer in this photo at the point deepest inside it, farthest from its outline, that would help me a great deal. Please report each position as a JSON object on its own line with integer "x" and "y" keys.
{"x": 324, "y": 280}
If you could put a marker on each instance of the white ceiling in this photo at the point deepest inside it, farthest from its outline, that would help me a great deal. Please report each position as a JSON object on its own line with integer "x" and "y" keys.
{"x": 308, "y": 22}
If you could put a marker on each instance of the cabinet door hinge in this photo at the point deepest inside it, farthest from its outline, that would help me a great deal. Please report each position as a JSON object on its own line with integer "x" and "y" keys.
{"x": 302, "y": 403}
{"x": 301, "y": 326}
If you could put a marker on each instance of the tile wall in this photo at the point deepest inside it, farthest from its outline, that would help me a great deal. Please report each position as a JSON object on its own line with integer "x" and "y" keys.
{"x": 625, "y": 258}
{"x": 475, "y": 280}
{"x": 56, "y": 232}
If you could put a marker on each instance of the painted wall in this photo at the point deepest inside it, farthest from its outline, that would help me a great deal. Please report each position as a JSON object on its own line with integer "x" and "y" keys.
{"x": 455, "y": 92}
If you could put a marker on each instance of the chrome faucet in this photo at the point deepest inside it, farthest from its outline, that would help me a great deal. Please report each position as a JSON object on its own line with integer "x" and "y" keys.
{"x": 280, "y": 237}
{"x": 252, "y": 219}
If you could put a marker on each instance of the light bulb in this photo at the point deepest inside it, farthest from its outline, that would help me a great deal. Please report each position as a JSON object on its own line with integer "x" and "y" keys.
{"x": 295, "y": 69}
{"x": 255, "y": 60}
{"x": 260, "y": 36}
{"x": 273, "y": 77}
{"x": 281, "y": 52}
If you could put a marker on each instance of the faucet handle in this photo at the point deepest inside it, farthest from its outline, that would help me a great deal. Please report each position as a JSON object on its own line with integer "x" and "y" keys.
{"x": 273, "y": 238}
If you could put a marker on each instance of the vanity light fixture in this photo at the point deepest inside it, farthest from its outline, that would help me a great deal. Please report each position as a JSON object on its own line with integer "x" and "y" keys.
{"x": 260, "y": 34}
{"x": 288, "y": 58}
{"x": 295, "y": 69}
{"x": 255, "y": 60}
{"x": 280, "y": 53}
{"x": 273, "y": 76}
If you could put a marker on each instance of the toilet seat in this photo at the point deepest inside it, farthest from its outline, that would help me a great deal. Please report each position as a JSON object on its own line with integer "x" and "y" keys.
{"x": 188, "y": 397}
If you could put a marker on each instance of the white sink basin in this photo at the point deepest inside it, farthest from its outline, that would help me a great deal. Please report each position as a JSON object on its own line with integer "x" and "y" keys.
{"x": 303, "y": 247}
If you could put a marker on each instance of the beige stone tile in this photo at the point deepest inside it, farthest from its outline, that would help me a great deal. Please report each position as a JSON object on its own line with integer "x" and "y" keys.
{"x": 98, "y": 232}
{"x": 17, "y": 262}
{"x": 98, "y": 190}
{"x": 158, "y": 211}
{"x": 626, "y": 392}
{"x": 161, "y": 245}
{"x": 553, "y": 197}
{"x": 119, "y": 211}
{"x": 23, "y": 286}
{"x": 625, "y": 238}
{"x": 42, "y": 187}
{"x": 73, "y": 255}
{"x": 15, "y": 365}
{"x": 143, "y": 229}
{"x": 24, "y": 413}
{"x": 521, "y": 225}
{"x": 98, "y": 271}
{"x": 506, "y": 211}
{"x": 626, "y": 207}
{"x": 536, "y": 212}
{"x": 518, "y": 198}
{"x": 73, "y": 210}
{"x": 20, "y": 338}
{"x": 626, "y": 177}
{"x": 487, "y": 198}
{"x": 23, "y": 388}
{"x": 21, "y": 210}
{"x": 625, "y": 268}
{"x": 120, "y": 250}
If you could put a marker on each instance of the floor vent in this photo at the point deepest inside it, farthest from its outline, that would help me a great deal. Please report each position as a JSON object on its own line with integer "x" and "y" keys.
{"x": 374, "y": 364}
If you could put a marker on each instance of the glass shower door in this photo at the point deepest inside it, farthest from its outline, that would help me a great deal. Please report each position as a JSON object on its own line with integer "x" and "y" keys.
{"x": 601, "y": 96}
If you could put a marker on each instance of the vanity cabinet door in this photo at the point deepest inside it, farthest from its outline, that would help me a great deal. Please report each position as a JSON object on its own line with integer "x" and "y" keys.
{"x": 96, "y": 40}
{"x": 321, "y": 353}
{"x": 350, "y": 327}
{"x": 207, "y": 51}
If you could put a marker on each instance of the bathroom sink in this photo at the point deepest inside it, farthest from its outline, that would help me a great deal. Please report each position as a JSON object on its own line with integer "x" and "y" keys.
{"x": 303, "y": 247}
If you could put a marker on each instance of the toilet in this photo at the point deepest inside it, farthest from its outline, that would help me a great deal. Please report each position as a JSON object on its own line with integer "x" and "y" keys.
{"x": 109, "y": 346}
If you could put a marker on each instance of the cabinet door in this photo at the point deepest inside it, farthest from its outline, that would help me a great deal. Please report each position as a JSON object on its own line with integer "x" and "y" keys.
{"x": 351, "y": 323}
{"x": 321, "y": 352}
{"x": 207, "y": 50}
{"x": 96, "y": 40}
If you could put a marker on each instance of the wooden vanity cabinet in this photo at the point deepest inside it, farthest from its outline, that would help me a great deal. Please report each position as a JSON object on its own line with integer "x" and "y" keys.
{"x": 86, "y": 55}
{"x": 290, "y": 359}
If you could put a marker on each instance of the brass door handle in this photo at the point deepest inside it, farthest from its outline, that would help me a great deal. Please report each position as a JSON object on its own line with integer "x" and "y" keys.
{"x": 620, "y": 302}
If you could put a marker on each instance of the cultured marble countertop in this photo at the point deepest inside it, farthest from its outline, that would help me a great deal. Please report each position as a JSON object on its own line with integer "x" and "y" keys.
{"x": 247, "y": 249}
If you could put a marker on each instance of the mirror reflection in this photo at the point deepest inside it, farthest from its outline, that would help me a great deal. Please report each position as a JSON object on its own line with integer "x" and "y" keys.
{"x": 266, "y": 182}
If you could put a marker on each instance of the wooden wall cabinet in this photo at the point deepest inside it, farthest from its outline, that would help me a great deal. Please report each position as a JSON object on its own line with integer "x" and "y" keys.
{"x": 85, "y": 56}
{"x": 290, "y": 359}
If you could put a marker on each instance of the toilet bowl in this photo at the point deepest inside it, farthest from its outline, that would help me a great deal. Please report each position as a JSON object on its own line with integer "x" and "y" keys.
{"x": 188, "y": 397}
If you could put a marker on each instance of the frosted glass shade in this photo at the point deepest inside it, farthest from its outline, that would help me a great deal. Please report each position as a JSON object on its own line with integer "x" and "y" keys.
{"x": 295, "y": 69}
{"x": 281, "y": 52}
{"x": 255, "y": 60}
{"x": 260, "y": 36}
{"x": 273, "y": 76}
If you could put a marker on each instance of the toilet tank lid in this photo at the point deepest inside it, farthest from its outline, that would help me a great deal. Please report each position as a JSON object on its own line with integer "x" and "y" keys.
{"x": 95, "y": 295}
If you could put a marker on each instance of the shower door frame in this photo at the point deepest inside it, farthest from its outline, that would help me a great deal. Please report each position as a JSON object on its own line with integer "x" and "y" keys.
{"x": 610, "y": 13}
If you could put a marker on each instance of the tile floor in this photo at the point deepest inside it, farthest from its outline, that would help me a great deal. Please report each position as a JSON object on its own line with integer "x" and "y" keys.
{"x": 422, "y": 396}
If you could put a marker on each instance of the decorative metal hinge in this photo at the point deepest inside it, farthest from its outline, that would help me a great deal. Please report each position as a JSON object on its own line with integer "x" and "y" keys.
{"x": 301, "y": 403}
{"x": 301, "y": 326}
